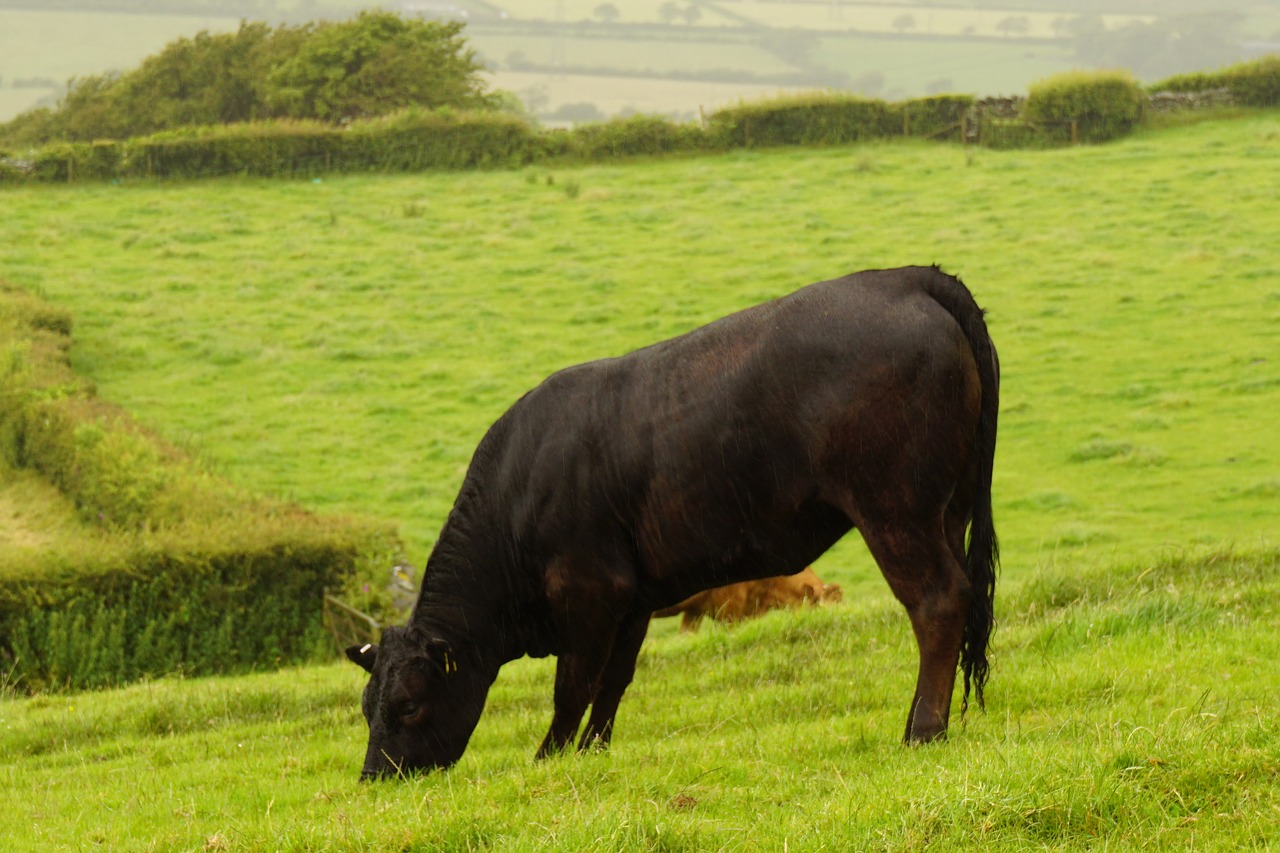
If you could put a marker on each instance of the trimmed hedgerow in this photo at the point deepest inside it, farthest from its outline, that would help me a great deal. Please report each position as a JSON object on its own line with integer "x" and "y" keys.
{"x": 413, "y": 140}
{"x": 185, "y": 573}
{"x": 1252, "y": 84}
{"x": 244, "y": 595}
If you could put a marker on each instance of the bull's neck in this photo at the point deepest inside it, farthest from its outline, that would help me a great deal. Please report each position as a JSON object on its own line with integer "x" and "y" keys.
{"x": 467, "y": 595}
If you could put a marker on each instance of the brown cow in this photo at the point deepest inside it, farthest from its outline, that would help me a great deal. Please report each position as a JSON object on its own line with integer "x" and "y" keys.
{"x": 744, "y": 600}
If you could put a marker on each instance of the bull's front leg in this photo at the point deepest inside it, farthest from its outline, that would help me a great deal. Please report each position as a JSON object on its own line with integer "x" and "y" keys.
{"x": 578, "y": 674}
{"x": 592, "y": 607}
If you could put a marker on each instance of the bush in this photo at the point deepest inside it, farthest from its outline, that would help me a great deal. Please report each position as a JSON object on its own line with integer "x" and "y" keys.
{"x": 180, "y": 572}
{"x": 1251, "y": 84}
{"x": 1085, "y": 106}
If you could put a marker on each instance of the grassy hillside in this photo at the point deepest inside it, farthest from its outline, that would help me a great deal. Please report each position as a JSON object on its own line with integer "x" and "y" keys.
{"x": 345, "y": 342}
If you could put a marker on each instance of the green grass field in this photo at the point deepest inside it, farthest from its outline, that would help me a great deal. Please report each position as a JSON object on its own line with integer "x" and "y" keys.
{"x": 346, "y": 341}
{"x": 1132, "y": 709}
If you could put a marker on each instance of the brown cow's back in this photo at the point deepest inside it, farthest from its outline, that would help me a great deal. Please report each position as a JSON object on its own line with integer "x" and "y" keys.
{"x": 748, "y": 599}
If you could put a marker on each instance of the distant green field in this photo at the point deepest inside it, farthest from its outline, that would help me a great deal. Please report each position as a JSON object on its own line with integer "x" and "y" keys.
{"x": 633, "y": 55}
{"x": 686, "y": 99}
{"x": 912, "y": 67}
{"x": 882, "y": 18}
{"x": 943, "y": 19}
{"x": 908, "y": 67}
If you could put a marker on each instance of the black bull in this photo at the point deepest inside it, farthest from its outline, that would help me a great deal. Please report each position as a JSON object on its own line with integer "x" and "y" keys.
{"x": 743, "y": 449}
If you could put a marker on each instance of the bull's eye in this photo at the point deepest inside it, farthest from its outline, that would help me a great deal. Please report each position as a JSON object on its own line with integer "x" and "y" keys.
{"x": 411, "y": 713}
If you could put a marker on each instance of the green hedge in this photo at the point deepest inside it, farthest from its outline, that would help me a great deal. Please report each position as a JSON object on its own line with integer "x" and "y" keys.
{"x": 410, "y": 141}
{"x": 178, "y": 570}
{"x": 936, "y": 117}
{"x": 1085, "y": 106}
{"x": 416, "y": 140}
{"x": 239, "y": 597}
{"x": 1251, "y": 84}
{"x": 837, "y": 119}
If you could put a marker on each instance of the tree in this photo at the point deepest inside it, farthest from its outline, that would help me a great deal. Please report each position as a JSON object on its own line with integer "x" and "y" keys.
{"x": 691, "y": 14}
{"x": 577, "y": 113}
{"x": 1165, "y": 47}
{"x": 668, "y": 12}
{"x": 1013, "y": 25}
{"x": 1079, "y": 26}
{"x": 904, "y": 22}
{"x": 376, "y": 63}
{"x": 606, "y": 13}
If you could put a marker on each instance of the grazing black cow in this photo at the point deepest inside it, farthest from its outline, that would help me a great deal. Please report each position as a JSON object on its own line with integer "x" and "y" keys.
{"x": 743, "y": 449}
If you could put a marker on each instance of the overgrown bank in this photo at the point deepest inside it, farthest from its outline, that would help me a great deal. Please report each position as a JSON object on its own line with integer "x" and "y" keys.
{"x": 182, "y": 572}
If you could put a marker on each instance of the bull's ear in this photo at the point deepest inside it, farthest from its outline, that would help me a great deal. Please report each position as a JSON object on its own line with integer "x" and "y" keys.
{"x": 442, "y": 655}
{"x": 366, "y": 656}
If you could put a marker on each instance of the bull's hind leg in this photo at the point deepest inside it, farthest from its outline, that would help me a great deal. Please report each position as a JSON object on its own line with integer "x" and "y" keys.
{"x": 618, "y": 673}
{"x": 924, "y": 573}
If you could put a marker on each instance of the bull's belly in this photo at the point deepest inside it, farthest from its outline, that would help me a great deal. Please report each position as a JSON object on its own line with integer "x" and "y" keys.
{"x": 708, "y": 558}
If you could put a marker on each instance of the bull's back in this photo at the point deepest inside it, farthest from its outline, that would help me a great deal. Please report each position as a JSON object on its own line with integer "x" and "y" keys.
{"x": 714, "y": 455}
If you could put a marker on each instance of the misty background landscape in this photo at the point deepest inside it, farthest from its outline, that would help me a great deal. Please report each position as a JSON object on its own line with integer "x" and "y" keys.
{"x": 582, "y": 60}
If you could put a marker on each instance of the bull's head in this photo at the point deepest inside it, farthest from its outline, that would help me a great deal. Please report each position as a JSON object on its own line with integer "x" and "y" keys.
{"x": 421, "y": 702}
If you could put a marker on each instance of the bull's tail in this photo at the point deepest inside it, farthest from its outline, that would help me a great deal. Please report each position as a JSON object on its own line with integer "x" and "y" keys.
{"x": 982, "y": 554}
